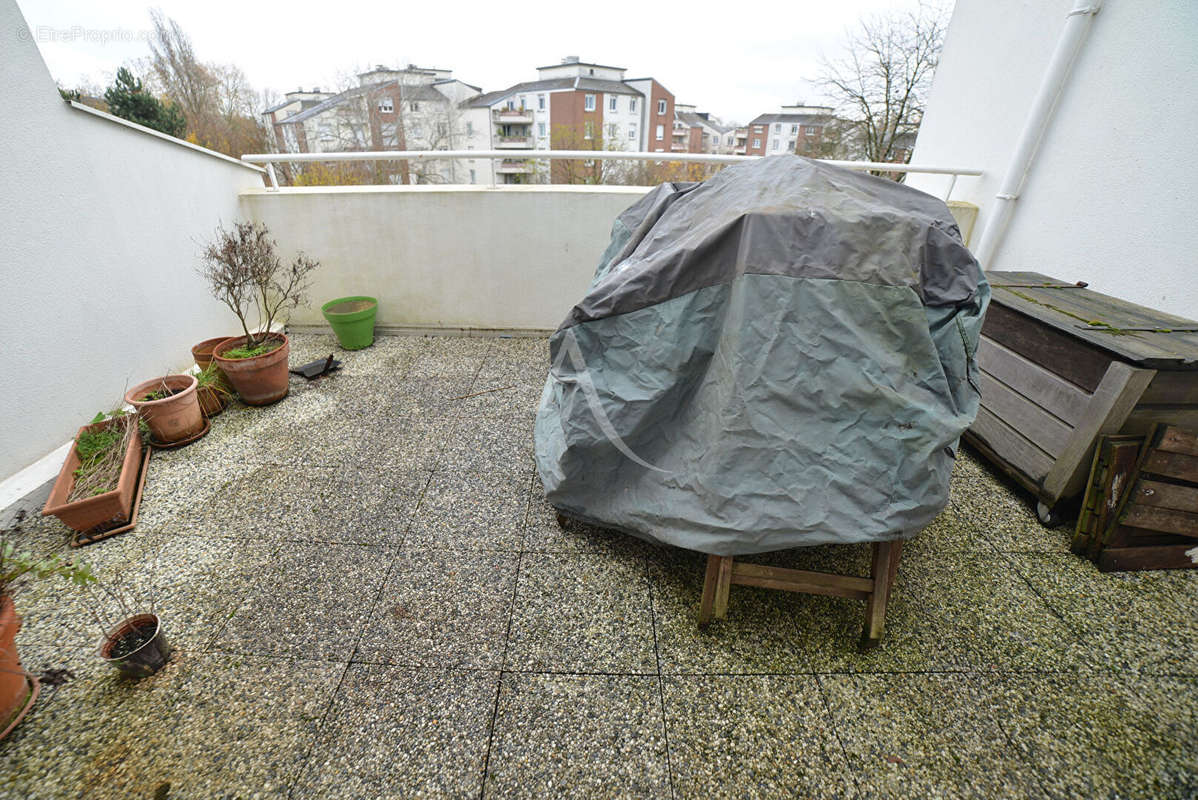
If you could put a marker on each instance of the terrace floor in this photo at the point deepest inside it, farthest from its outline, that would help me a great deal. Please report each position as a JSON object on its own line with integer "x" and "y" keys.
{"x": 369, "y": 597}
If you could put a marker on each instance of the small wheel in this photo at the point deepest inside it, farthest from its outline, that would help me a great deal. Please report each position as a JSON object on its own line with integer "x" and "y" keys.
{"x": 1049, "y": 517}
{"x": 563, "y": 521}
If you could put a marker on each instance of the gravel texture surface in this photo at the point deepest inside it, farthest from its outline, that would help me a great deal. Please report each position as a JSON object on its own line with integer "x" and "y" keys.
{"x": 369, "y": 597}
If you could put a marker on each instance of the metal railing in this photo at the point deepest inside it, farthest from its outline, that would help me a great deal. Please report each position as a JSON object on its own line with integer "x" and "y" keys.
{"x": 270, "y": 159}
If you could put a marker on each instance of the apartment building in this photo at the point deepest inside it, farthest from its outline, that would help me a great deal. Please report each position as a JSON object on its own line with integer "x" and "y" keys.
{"x": 573, "y": 105}
{"x": 699, "y": 132}
{"x": 795, "y": 129}
{"x": 413, "y": 108}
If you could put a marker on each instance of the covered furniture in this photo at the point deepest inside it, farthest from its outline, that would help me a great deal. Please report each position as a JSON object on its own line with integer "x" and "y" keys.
{"x": 777, "y": 357}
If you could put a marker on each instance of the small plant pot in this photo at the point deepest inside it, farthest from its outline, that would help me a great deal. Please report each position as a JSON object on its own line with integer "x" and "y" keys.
{"x": 137, "y": 647}
{"x": 171, "y": 419}
{"x": 202, "y": 353}
{"x": 352, "y": 319}
{"x": 91, "y": 512}
{"x": 212, "y": 402}
{"x": 260, "y": 380}
{"x": 14, "y": 683}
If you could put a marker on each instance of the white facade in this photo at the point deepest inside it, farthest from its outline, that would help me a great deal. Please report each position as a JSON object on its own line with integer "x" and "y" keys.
{"x": 97, "y": 255}
{"x": 1110, "y": 197}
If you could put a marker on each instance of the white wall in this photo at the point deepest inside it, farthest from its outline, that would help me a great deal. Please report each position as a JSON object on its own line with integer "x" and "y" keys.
{"x": 100, "y": 235}
{"x": 1111, "y": 198}
{"x": 513, "y": 257}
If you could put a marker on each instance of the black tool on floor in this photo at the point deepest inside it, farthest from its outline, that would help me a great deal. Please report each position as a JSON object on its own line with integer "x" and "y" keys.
{"x": 321, "y": 366}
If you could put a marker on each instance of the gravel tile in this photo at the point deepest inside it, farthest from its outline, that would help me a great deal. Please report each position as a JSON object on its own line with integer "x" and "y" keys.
{"x": 578, "y": 736}
{"x": 586, "y": 612}
{"x": 1121, "y": 616}
{"x": 442, "y": 609}
{"x": 753, "y": 736}
{"x": 543, "y": 533}
{"x": 309, "y": 504}
{"x": 1102, "y": 735}
{"x": 313, "y": 602}
{"x": 376, "y": 400}
{"x": 406, "y": 443}
{"x": 394, "y": 732}
{"x": 924, "y": 736}
{"x": 450, "y": 357}
{"x": 205, "y": 726}
{"x": 471, "y": 511}
{"x": 476, "y": 444}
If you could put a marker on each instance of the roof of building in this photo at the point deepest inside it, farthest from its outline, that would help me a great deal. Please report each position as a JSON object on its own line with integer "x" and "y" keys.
{"x": 580, "y": 64}
{"x": 768, "y": 119}
{"x": 456, "y": 80}
{"x": 277, "y": 106}
{"x": 551, "y": 84}
{"x": 409, "y": 93}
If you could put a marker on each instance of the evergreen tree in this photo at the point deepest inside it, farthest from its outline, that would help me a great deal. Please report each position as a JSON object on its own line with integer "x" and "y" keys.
{"x": 127, "y": 98}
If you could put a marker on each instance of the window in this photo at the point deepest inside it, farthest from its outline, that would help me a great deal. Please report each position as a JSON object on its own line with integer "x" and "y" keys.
{"x": 811, "y": 131}
{"x": 589, "y": 104}
{"x": 661, "y": 132}
{"x": 414, "y": 106}
{"x": 632, "y": 104}
{"x": 511, "y": 105}
{"x": 540, "y": 129}
{"x": 756, "y": 143}
{"x": 523, "y": 102}
{"x": 729, "y": 138}
{"x": 441, "y": 128}
{"x": 417, "y": 131}
{"x": 588, "y": 130}
{"x": 661, "y": 106}
{"x": 612, "y": 131}
{"x": 632, "y": 132}
{"x": 469, "y": 128}
{"x": 757, "y": 129}
{"x": 472, "y": 178}
{"x": 540, "y": 102}
{"x": 386, "y": 106}
{"x": 611, "y": 104}
{"x": 791, "y": 144}
{"x": 777, "y": 143}
{"x": 794, "y": 128}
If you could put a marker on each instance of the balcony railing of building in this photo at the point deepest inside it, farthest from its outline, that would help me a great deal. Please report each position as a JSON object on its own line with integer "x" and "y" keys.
{"x": 513, "y": 167}
{"x": 510, "y": 116}
{"x": 511, "y": 141}
{"x": 270, "y": 159}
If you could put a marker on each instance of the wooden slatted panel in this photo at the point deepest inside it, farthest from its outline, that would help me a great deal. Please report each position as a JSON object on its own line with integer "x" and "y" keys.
{"x": 1176, "y": 440}
{"x": 1049, "y": 433}
{"x": 1011, "y": 447}
{"x": 1057, "y": 352}
{"x": 1173, "y": 389}
{"x": 798, "y": 580}
{"x": 1123, "y": 559}
{"x": 1166, "y": 520}
{"x": 1172, "y": 465}
{"x": 1144, "y": 418}
{"x": 1166, "y": 495}
{"x": 1051, "y": 392}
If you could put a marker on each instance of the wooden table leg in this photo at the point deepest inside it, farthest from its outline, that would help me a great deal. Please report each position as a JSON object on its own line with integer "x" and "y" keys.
{"x": 723, "y": 584}
{"x": 709, "y": 582}
{"x": 884, "y": 566}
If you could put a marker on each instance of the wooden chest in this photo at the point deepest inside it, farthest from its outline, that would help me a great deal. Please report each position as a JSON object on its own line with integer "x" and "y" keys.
{"x": 1061, "y": 365}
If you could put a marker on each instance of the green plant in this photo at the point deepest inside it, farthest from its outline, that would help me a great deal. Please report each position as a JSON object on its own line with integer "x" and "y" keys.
{"x": 127, "y": 98}
{"x": 250, "y": 352}
{"x": 15, "y": 565}
{"x": 102, "y": 454}
{"x": 244, "y": 272}
{"x": 210, "y": 377}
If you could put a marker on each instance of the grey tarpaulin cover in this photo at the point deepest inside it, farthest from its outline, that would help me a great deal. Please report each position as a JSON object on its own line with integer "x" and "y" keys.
{"x": 779, "y": 356}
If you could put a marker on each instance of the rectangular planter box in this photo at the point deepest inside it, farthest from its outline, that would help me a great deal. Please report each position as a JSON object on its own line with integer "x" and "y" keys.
{"x": 85, "y": 514}
{"x": 1062, "y": 365}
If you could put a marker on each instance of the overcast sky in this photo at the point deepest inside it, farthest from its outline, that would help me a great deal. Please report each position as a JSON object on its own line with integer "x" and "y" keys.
{"x": 734, "y": 59}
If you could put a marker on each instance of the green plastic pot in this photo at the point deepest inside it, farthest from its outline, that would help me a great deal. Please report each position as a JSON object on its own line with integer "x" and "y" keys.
{"x": 352, "y": 319}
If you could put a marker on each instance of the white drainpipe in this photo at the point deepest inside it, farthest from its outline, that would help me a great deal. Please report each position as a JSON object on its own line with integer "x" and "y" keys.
{"x": 1077, "y": 27}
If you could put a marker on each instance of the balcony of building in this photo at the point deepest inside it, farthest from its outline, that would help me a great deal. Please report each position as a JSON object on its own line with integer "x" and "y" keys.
{"x": 512, "y": 116}
{"x": 514, "y": 141}
{"x": 514, "y": 167}
{"x": 369, "y": 596}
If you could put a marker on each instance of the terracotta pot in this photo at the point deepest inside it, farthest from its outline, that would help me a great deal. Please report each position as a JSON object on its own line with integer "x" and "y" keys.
{"x": 90, "y": 512}
{"x": 171, "y": 419}
{"x": 202, "y": 353}
{"x": 260, "y": 380}
{"x": 14, "y": 688}
{"x": 212, "y": 402}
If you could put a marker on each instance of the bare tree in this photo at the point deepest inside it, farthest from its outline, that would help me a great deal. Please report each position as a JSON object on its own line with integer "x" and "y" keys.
{"x": 882, "y": 81}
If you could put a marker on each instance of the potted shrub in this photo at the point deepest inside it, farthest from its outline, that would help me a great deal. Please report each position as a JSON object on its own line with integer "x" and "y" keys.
{"x": 98, "y": 479}
{"x": 170, "y": 408}
{"x": 213, "y": 390}
{"x": 352, "y": 319}
{"x": 137, "y": 646}
{"x": 18, "y": 689}
{"x": 244, "y": 272}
